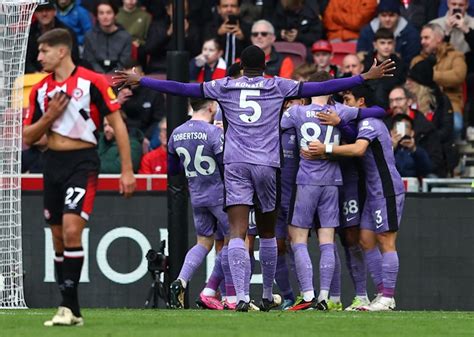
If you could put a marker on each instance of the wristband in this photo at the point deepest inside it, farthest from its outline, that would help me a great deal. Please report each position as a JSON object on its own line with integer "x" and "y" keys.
{"x": 328, "y": 148}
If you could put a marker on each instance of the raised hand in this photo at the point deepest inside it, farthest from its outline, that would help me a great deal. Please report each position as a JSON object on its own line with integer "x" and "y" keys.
{"x": 385, "y": 69}
{"x": 58, "y": 104}
{"x": 123, "y": 78}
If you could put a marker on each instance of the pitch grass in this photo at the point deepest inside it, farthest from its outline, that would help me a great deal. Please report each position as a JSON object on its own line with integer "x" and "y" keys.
{"x": 197, "y": 323}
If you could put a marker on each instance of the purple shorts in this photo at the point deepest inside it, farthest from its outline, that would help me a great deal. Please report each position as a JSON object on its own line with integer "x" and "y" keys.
{"x": 349, "y": 204}
{"x": 208, "y": 220}
{"x": 314, "y": 201}
{"x": 383, "y": 215}
{"x": 249, "y": 184}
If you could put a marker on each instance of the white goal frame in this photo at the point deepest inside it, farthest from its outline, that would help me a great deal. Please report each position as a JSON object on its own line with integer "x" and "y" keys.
{"x": 15, "y": 21}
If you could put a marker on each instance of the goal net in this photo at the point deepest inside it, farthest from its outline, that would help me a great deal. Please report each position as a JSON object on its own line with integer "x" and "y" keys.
{"x": 15, "y": 19}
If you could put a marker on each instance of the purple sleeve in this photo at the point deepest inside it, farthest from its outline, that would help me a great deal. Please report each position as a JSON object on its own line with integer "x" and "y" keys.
{"x": 173, "y": 87}
{"x": 374, "y": 112}
{"x": 348, "y": 131}
{"x": 310, "y": 89}
{"x": 286, "y": 120}
{"x": 368, "y": 129}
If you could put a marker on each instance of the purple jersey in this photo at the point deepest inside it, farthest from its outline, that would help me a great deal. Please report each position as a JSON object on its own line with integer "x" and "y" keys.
{"x": 382, "y": 177}
{"x": 290, "y": 150}
{"x": 251, "y": 112}
{"x": 308, "y": 128}
{"x": 197, "y": 143}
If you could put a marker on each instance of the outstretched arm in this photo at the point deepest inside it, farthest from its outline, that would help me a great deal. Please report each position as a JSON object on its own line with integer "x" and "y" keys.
{"x": 310, "y": 89}
{"x": 124, "y": 78}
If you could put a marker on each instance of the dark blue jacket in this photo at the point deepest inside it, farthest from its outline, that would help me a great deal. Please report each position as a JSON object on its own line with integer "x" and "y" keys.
{"x": 407, "y": 39}
{"x": 413, "y": 164}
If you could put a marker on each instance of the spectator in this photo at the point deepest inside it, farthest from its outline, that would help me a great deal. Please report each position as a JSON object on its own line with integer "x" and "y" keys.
{"x": 45, "y": 15}
{"x": 304, "y": 71}
{"x": 384, "y": 49}
{"x": 443, "y": 8}
{"x": 143, "y": 107}
{"x": 419, "y": 12}
{"x": 107, "y": 46}
{"x": 298, "y": 21}
{"x": 156, "y": 161}
{"x": 351, "y": 65}
{"x": 209, "y": 65}
{"x": 322, "y": 54}
{"x": 232, "y": 33}
{"x": 449, "y": 70}
{"x": 251, "y": 11}
{"x": 406, "y": 35}
{"x": 108, "y": 150}
{"x": 436, "y": 107}
{"x": 410, "y": 158}
{"x": 263, "y": 36}
{"x": 458, "y": 26}
{"x": 425, "y": 133}
{"x": 161, "y": 29}
{"x": 135, "y": 20}
{"x": 75, "y": 17}
{"x": 344, "y": 19}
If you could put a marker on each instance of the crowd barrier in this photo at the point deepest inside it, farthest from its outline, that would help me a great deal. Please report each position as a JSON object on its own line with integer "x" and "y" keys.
{"x": 435, "y": 249}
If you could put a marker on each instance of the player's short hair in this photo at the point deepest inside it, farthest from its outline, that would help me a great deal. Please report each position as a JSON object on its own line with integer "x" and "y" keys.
{"x": 252, "y": 57}
{"x": 304, "y": 70}
{"x": 199, "y": 103}
{"x": 364, "y": 91}
{"x": 320, "y": 76}
{"x": 110, "y": 3}
{"x": 56, "y": 37}
{"x": 384, "y": 33}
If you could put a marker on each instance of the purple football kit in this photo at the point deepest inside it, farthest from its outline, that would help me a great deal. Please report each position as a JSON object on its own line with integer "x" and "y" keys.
{"x": 385, "y": 191}
{"x": 197, "y": 143}
{"x": 250, "y": 110}
{"x": 317, "y": 178}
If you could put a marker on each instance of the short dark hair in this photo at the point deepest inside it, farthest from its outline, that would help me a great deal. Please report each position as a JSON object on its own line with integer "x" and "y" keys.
{"x": 384, "y": 33}
{"x": 401, "y": 118}
{"x": 239, "y": 2}
{"x": 360, "y": 91}
{"x": 56, "y": 37}
{"x": 320, "y": 76}
{"x": 110, "y": 3}
{"x": 199, "y": 103}
{"x": 216, "y": 42}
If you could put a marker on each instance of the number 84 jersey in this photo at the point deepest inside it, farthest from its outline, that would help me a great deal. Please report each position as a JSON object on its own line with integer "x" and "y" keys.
{"x": 307, "y": 126}
{"x": 197, "y": 143}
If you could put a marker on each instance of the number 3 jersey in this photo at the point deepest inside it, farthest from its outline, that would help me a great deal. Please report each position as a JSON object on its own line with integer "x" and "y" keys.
{"x": 251, "y": 113}
{"x": 308, "y": 128}
{"x": 197, "y": 143}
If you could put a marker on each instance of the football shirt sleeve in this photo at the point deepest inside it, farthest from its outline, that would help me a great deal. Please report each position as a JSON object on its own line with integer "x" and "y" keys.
{"x": 367, "y": 129}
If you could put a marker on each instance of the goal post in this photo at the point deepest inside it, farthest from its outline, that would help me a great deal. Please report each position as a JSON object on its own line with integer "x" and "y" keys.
{"x": 15, "y": 21}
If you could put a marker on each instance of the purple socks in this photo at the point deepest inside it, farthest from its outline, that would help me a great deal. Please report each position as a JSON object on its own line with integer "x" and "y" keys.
{"x": 373, "y": 259}
{"x": 268, "y": 262}
{"x": 389, "y": 273}
{"x": 326, "y": 265}
{"x": 192, "y": 261}
{"x": 303, "y": 266}
{"x": 239, "y": 261}
{"x": 336, "y": 277}
{"x": 229, "y": 285}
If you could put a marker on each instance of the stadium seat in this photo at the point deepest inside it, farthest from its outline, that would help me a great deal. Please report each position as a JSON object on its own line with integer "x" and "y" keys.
{"x": 295, "y": 50}
{"x": 341, "y": 49}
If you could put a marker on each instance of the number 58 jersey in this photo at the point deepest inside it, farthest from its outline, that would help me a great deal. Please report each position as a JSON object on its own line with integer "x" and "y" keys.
{"x": 251, "y": 115}
{"x": 197, "y": 143}
{"x": 308, "y": 129}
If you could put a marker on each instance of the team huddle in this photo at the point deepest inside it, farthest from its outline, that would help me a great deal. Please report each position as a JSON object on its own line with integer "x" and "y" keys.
{"x": 295, "y": 165}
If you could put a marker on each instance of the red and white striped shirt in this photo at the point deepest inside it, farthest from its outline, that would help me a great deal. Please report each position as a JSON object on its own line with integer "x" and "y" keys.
{"x": 91, "y": 100}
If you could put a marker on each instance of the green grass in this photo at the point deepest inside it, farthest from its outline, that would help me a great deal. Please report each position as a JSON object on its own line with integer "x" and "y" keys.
{"x": 197, "y": 323}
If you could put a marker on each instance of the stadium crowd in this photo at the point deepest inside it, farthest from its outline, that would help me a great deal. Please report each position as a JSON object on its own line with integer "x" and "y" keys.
{"x": 430, "y": 42}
